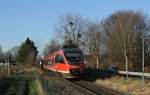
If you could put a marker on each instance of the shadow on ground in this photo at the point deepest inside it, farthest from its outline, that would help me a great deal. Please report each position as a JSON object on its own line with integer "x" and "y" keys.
{"x": 92, "y": 74}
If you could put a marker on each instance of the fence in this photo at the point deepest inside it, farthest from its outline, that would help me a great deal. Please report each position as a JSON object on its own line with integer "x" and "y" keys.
{"x": 135, "y": 74}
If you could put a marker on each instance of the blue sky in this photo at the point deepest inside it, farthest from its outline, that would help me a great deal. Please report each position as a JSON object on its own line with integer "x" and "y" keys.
{"x": 20, "y": 19}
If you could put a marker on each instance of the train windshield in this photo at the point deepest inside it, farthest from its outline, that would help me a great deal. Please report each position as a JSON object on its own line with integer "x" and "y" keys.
{"x": 74, "y": 58}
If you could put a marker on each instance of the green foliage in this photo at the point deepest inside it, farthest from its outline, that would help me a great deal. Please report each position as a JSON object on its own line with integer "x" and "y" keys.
{"x": 27, "y": 52}
{"x": 33, "y": 88}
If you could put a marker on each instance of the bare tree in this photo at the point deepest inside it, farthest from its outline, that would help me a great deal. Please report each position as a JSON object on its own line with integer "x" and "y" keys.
{"x": 123, "y": 31}
{"x": 93, "y": 42}
{"x": 51, "y": 47}
{"x": 12, "y": 51}
{"x": 71, "y": 26}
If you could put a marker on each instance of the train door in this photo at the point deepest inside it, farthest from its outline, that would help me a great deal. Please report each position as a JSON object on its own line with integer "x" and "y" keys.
{"x": 60, "y": 64}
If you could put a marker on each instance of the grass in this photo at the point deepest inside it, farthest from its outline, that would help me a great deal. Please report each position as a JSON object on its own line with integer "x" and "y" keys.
{"x": 50, "y": 87}
{"x": 17, "y": 86}
{"x": 24, "y": 82}
{"x": 3, "y": 71}
{"x": 19, "y": 83}
{"x": 132, "y": 85}
{"x": 13, "y": 87}
{"x": 33, "y": 88}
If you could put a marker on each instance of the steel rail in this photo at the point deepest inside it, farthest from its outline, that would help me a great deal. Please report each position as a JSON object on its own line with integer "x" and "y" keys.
{"x": 94, "y": 89}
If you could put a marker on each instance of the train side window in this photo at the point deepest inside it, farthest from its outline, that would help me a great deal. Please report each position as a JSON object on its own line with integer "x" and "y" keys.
{"x": 56, "y": 58}
{"x": 61, "y": 59}
{"x": 50, "y": 62}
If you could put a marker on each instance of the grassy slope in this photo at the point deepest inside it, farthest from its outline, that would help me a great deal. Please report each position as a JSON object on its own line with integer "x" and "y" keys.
{"x": 133, "y": 86}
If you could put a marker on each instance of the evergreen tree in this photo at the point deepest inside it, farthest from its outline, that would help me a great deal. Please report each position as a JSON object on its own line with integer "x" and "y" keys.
{"x": 27, "y": 52}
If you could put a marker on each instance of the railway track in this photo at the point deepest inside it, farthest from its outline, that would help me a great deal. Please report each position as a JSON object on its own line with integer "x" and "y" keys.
{"x": 79, "y": 87}
{"x": 89, "y": 88}
{"x": 93, "y": 89}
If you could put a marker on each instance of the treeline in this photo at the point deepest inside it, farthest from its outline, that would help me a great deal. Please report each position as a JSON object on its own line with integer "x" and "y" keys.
{"x": 25, "y": 54}
{"x": 120, "y": 40}
{"x": 11, "y": 53}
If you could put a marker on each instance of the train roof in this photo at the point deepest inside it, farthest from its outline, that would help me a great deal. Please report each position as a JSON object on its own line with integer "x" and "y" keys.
{"x": 71, "y": 49}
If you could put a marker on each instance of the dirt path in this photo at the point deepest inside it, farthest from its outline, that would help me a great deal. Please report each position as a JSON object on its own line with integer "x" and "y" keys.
{"x": 39, "y": 88}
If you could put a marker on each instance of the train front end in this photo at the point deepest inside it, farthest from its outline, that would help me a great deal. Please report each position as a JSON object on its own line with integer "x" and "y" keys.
{"x": 75, "y": 63}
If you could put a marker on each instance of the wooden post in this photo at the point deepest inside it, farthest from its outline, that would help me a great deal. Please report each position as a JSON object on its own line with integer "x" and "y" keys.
{"x": 8, "y": 69}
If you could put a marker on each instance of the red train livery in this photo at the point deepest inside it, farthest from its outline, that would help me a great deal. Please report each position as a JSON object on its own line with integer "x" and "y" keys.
{"x": 69, "y": 62}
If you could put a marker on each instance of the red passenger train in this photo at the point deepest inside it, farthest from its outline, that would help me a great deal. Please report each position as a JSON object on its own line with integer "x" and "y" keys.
{"x": 68, "y": 62}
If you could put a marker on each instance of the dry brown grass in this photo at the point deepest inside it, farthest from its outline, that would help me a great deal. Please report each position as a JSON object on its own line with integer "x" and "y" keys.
{"x": 39, "y": 88}
{"x": 132, "y": 86}
{"x": 27, "y": 69}
{"x": 3, "y": 71}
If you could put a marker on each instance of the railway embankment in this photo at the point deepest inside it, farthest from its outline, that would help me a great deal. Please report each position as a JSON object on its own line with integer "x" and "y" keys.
{"x": 131, "y": 86}
{"x": 32, "y": 81}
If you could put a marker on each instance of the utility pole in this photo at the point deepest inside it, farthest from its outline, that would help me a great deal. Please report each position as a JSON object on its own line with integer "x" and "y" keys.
{"x": 8, "y": 63}
{"x": 143, "y": 58}
{"x": 8, "y": 68}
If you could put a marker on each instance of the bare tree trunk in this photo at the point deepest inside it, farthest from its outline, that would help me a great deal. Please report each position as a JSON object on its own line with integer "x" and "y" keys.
{"x": 8, "y": 69}
{"x": 126, "y": 61}
{"x": 97, "y": 62}
{"x": 74, "y": 38}
{"x": 110, "y": 59}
